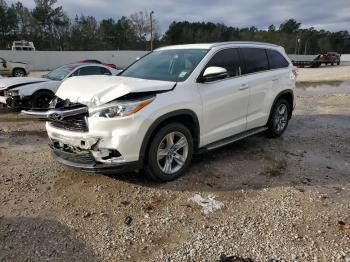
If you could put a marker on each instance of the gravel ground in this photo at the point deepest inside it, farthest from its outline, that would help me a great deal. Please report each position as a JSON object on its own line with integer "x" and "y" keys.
{"x": 285, "y": 199}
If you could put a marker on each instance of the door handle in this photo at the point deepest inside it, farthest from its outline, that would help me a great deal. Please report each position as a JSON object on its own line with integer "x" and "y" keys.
{"x": 244, "y": 87}
{"x": 275, "y": 78}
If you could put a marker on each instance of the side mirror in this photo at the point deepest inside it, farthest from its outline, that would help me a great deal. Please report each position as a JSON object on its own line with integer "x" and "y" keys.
{"x": 4, "y": 64}
{"x": 214, "y": 73}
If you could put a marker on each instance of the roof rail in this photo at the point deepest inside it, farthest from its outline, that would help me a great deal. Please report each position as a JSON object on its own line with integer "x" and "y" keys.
{"x": 243, "y": 42}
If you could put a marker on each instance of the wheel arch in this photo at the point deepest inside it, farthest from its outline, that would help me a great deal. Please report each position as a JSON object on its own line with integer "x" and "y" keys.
{"x": 287, "y": 94}
{"x": 42, "y": 90}
{"x": 185, "y": 116}
{"x": 18, "y": 68}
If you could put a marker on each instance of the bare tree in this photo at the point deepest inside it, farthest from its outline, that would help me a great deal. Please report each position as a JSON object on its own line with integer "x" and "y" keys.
{"x": 141, "y": 24}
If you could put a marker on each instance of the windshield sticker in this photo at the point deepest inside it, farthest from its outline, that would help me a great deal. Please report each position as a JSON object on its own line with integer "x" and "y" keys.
{"x": 183, "y": 74}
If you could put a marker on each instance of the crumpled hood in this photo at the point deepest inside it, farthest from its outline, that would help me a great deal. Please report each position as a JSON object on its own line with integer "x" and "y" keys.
{"x": 99, "y": 90}
{"x": 10, "y": 82}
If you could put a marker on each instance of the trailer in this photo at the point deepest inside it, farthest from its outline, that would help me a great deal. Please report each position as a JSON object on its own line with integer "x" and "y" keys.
{"x": 315, "y": 60}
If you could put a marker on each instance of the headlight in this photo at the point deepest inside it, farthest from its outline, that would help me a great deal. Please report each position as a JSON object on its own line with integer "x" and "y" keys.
{"x": 120, "y": 109}
{"x": 14, "y": 92}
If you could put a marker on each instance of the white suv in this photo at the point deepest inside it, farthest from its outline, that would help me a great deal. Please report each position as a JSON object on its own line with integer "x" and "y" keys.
{"x": 170, "y": 104}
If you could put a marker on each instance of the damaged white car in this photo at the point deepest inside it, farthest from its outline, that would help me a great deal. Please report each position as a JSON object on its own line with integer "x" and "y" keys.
{"x": 170, "y": 104}
{"x": 29, "y": 92}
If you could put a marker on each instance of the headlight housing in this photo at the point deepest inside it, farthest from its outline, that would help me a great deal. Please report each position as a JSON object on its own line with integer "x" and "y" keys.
{"x": 120, "y": 108}
{"x": 14, "y": 92}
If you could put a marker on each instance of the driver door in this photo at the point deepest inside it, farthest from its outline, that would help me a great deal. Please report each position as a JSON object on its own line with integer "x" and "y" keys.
{"x": 225, "y": 101}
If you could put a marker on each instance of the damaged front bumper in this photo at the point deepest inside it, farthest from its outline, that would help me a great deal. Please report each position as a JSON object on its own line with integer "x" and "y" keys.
{"x": 85, "y": 161}
{"x": 87, "y": 153}
{"x": 15, "y": 102}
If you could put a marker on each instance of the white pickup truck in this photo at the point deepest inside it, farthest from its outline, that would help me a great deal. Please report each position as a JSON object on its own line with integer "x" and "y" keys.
{"x": 16, "y": 69}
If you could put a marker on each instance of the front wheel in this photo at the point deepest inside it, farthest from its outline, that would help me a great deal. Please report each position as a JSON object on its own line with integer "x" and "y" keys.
{"x": 42, "y": 99}
{"x": 279, "y": 118}
{"x": 169, "y": 153}
{"x": 18, "y": 72}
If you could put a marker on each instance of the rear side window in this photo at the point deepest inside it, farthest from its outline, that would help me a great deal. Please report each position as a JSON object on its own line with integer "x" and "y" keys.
{"x": 228, "y": 59}
{"x": 276, "y": 60}
{"x": 255, "y": 60}
{"x": 92, "y": 70}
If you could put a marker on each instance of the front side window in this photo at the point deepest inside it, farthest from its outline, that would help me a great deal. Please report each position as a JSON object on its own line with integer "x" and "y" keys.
{"x": 276, "y": 60}
{"x": 228, "y": 59}
{"x": 255, "y": 60}
{"x": 167, "y": 65}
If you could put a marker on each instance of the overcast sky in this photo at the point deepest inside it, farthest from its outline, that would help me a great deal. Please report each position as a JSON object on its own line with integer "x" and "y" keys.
{"x": 321, "y": 14}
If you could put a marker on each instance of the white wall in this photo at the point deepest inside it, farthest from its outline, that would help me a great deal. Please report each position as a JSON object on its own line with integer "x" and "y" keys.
{"x": 48, "y": 60}
{"x": 345, "y": 58}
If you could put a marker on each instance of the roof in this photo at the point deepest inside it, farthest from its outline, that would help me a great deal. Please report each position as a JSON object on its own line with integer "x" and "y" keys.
{"x": 212, "y": 45}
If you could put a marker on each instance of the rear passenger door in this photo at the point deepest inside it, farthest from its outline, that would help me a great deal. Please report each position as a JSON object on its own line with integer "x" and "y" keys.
{"x": 260, "y": 81}
{"x": 225, "y": 101}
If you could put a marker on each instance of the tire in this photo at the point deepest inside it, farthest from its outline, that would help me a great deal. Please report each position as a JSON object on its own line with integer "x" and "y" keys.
{"x": 279, "y": 118}
{"x": 160, "y": 153}
{"x": 18, "y": 72}
{"x": 42, "y": 99}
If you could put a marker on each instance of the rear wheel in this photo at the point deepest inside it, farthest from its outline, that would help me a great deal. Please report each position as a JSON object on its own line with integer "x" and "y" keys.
{"x": 18, "y": 72}
{"x": 169, "y": 153}
{"x": 42, "y": 99}
{"x": 279, "y": 118}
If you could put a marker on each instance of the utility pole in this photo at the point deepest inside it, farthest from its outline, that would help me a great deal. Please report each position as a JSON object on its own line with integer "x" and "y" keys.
{"x": 151, "y": 17}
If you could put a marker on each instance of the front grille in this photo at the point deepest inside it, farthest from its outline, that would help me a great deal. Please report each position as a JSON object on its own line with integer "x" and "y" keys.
{"x": 77, "y": 123}
{"x": 79, "y": 157}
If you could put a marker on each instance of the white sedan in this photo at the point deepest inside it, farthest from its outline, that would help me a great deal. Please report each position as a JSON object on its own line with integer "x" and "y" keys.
{"x": 29, "y": 92}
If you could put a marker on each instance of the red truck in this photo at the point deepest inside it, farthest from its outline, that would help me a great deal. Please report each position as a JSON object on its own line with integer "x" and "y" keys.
{"x": 331, "y": 58}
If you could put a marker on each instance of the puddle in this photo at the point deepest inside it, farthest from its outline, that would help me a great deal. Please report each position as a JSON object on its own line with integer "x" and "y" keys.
{"x": 323, "y": 88}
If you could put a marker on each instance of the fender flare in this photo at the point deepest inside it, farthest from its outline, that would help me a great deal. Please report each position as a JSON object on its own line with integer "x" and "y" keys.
{"x": 287, "y": 91}
{"x": 159, "y": 121}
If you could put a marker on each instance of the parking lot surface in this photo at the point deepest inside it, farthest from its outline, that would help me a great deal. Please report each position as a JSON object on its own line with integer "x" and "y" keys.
{"x": 283, "y": 199}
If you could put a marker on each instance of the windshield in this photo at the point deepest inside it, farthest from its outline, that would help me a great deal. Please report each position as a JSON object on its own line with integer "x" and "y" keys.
{"x": 60, "y": 73}
{"x": 167, "y": 65}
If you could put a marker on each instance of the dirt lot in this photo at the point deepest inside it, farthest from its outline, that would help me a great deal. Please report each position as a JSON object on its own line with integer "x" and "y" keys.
{"x": 285, "y": 199}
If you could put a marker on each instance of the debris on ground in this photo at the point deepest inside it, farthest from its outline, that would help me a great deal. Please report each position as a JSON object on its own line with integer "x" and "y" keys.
{"x": 343, "y": 225}
{"x": 224, "y": 258}
{"x": 209, "y": 205}
{"x": 128, "y": 220}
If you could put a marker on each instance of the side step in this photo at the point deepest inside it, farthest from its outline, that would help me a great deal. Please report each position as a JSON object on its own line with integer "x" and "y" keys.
{"x": 234, "y": 138}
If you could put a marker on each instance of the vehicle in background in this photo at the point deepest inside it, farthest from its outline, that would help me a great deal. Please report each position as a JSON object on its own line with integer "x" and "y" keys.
{"x": 29, "y": 92}
{"x": 15, "y": 69}
{"x": 330, "y": 58}
{"x": 170, "y": 104}
{"x": 23, "y": 46}
{"x": 95, "y": 61}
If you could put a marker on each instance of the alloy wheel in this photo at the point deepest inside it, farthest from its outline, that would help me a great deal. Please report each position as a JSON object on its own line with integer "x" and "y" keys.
{"x": 172, "y": 152}
{"x": 281, "y": 117}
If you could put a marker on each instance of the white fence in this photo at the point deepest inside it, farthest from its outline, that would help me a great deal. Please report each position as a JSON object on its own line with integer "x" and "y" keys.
{"x": 48, "y": 60}
{"x": 345, "y": 58}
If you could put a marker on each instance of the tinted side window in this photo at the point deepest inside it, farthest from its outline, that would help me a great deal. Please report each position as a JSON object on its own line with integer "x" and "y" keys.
{"x": 228, "y": 59}
{"x": 276, "y": 60}
{"x": 90, "y": 70}
{"x": 105, "y": 71}
{"x": 255, "y": 60}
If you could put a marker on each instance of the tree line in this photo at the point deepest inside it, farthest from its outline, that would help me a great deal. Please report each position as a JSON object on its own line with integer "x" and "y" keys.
{"x": 50, "y": 28}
